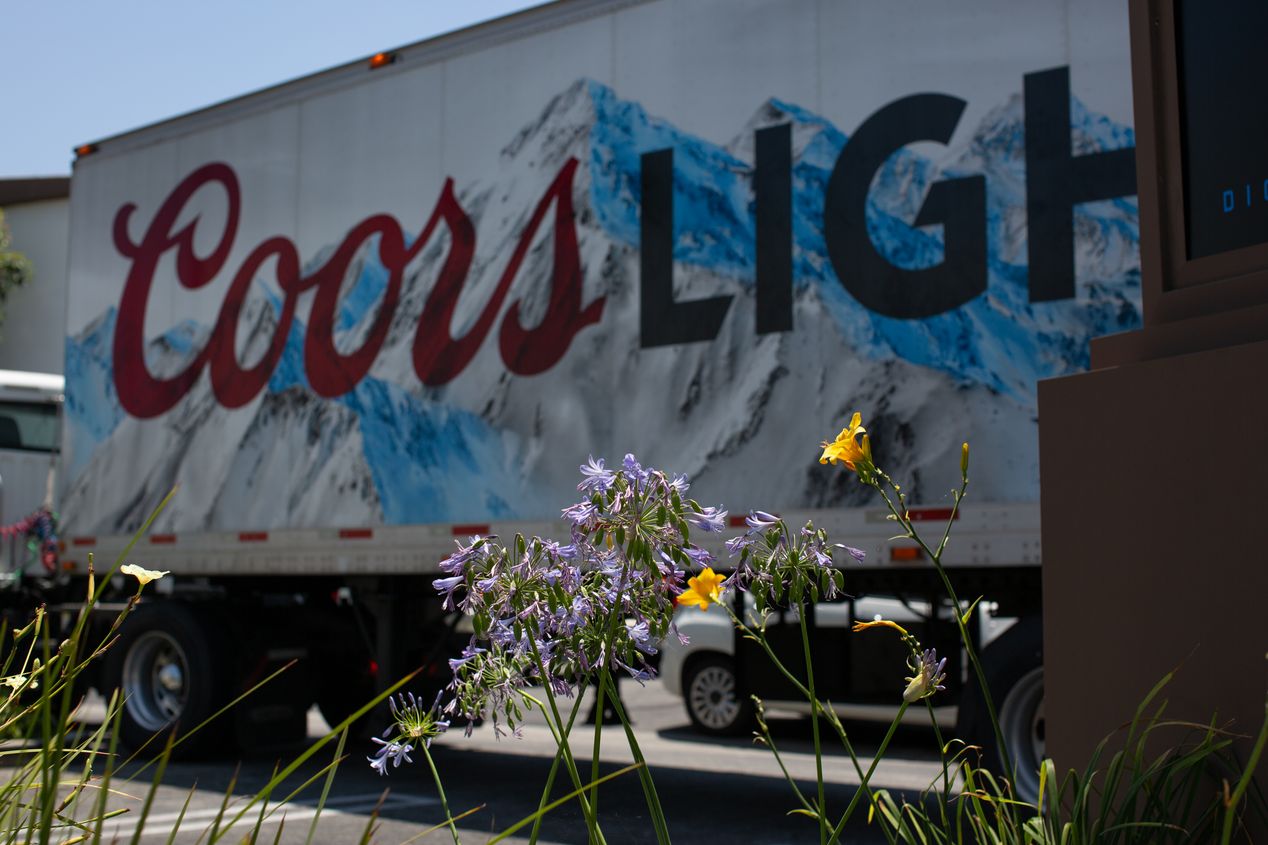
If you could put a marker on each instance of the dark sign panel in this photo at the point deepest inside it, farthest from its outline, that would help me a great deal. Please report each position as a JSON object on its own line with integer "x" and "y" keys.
{"x": 1223, "y": 73}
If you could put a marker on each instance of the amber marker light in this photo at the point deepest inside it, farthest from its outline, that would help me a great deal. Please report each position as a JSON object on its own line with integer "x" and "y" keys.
{"x": 905, "y": 554}
{"x": 85, "y": 149}
{"x": 379, "y": 60}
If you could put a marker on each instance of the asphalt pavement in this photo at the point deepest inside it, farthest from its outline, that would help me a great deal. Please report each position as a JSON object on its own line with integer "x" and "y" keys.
{"x": 713, "y": 790}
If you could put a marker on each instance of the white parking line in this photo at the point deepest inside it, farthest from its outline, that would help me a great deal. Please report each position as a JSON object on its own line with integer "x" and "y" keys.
{"x": 341, "y": 805}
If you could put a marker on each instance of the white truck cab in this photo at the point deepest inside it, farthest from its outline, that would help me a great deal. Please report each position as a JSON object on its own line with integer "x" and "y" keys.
{"x": 30, "y": 437}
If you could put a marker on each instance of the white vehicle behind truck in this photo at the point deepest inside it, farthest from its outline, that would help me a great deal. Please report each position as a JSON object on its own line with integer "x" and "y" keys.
{"x": 364, "y": 313}
{"x": 30, "y": 431}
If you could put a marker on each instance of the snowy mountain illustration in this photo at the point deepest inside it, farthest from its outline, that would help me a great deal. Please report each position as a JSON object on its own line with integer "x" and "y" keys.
{"x": 740, "y": 414}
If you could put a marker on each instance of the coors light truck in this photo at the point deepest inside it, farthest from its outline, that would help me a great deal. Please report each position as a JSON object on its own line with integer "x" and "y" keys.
{"x": 362, "y": 314}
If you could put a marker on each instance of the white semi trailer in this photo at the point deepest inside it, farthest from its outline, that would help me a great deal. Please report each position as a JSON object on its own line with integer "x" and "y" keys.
{"x": 366, "y": 312}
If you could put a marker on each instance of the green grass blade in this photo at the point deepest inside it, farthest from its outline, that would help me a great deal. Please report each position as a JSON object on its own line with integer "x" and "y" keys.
{"x": 367, "y": 835}
{"x": 565, "y": 799}
{"x": 325, "y": 789}
{"x": 180, "y": 817}
{"x": 443, "y": 825}
{"x": 154, "y": 785}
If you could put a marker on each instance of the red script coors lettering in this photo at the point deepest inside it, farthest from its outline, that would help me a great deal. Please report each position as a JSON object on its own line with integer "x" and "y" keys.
{"x": 438, "y": 357}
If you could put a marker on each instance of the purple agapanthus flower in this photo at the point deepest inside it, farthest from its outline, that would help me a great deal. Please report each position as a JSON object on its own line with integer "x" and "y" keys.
{"x": 598, "y": 479}
{"x": 641, "y": 635}
{"x": 581, "y": 514}
{"x": 448, "y": 586}
{"x": 761, "y": 520}
{"x": 700, "y": 557}
{"x": 857, "y": 554}
{"x": 468, "y": 654}
{"x": 389, "y": 752}
{"x": 457, "y": 561}
{"x": 710, "y": 518}
{"x": 634, "y": 470}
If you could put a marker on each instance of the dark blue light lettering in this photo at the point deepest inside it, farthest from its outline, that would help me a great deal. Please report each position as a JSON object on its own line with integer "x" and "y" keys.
{"x": 1229, "y": 201}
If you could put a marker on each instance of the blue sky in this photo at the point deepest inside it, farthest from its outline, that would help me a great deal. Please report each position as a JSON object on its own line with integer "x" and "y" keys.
{"x": 79, "y": 70}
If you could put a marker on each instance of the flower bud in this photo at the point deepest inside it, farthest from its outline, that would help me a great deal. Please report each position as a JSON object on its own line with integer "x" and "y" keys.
{"x": 964, "y": 461}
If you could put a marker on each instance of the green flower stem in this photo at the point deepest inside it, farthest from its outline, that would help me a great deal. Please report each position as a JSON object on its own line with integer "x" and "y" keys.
{"x": 644, "y": 775}
{"x": 440, "y": 790}
{"x": 867, "y": 779}
{"x": 554, "y": 767}
{"x": 817, "y": 710}
{"x": 557, "y": 802}
{"x": 605, "y": 675}
{"x": 965, "y": 639}
{"x": 766, "y": 737}
{"x": 816, "y": 706}
{"x": 599, "y": 694}
{"x": 592, "y": 822}
{"x": 942, "y": 755}
{"x": 835, "y": 721}
{"x": 814, "y": 725}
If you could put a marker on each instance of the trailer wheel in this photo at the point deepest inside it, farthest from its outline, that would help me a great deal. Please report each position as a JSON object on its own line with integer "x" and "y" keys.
{"x": 1013, "y": 666}
{"x": 343, "y": 693}
{"x": 715, "y": 703}
{"x": 170, "y": 677}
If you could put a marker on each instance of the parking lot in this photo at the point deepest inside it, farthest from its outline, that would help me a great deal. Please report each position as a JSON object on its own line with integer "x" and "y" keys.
{"x": 713, "y": 790}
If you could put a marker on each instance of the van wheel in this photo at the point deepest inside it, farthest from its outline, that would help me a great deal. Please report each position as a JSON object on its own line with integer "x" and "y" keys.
{"x": 1013, "y": 666}
{"x": 169, "y": 678}
{"x": 715, "y": 703}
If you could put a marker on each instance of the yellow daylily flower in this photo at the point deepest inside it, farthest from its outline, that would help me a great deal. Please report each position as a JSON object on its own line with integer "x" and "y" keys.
{"x": 879, "y": 623}
{"x": 143, "y": 575}
{"x": 846, "y": 448}
{"x": 702, "y": 590}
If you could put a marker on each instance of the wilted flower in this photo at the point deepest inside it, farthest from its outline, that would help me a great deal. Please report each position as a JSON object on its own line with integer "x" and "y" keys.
{"x": 143, "y": 575}
{"x": 928, "y": 678}
{"x": 702, "y": 590}
{"x": 879, "y": 623}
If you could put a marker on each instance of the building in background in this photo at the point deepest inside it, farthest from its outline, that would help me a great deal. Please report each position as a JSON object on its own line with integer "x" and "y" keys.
{"x": 37, "y": 212}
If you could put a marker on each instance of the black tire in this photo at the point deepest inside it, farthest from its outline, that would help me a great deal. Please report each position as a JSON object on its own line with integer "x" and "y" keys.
{"x": 171, "y": 677}
{"x": 346, "y": 687}
{"x": 1013, "y": 665}
{"x": 715, "y": 703}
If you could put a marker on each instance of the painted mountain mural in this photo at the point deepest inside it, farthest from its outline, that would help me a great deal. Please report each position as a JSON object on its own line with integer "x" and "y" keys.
{"x": 741, "y": 414}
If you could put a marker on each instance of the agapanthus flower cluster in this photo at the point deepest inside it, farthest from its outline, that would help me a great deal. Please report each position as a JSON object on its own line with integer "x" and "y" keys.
{"x": 412, "y": 723}
{"x": 553, "y": 614}
{"x": 779, "y": 566}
